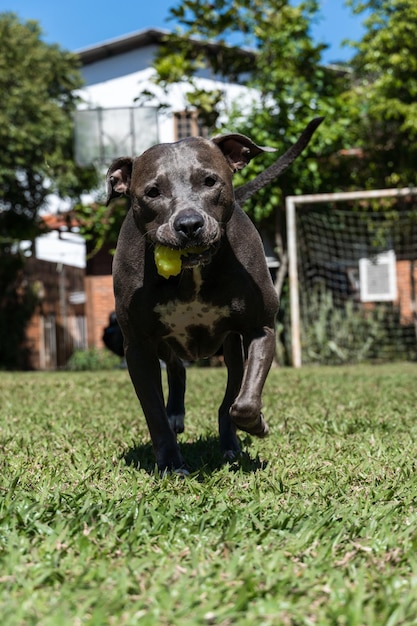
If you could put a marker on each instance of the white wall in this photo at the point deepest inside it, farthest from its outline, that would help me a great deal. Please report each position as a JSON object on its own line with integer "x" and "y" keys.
{"x": 69, "y": 250}
{"x": 118, "y": 81}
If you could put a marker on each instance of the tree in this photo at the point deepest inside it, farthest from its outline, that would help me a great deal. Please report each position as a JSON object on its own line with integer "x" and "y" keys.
{"x": 38, "y": 83}
{"x": 285, "y": 71}
{"x": 384, "y": 92}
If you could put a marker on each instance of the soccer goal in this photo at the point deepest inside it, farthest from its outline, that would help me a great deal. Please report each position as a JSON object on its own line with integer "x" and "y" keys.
{"x": 352, "y": 275}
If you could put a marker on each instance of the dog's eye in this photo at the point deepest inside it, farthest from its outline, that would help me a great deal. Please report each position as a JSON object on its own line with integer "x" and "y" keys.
{"x": 152, "y": 192}
{"x": 209, "y": 181}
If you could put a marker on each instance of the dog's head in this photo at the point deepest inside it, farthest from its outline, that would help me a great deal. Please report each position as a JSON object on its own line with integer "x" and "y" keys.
{"x": 181, "y": 193}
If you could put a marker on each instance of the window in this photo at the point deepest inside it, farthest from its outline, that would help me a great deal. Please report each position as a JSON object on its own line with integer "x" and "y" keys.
{"x": 187, "y": 124}
{"x": 102, "y": 135}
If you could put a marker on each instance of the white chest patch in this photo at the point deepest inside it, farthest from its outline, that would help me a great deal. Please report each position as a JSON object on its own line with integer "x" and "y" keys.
{"x": 178, "y": 317}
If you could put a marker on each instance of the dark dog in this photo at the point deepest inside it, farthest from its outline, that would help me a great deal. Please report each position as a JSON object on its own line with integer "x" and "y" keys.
{"x": 218, "y": 292}
{"x": 112, "y": 336}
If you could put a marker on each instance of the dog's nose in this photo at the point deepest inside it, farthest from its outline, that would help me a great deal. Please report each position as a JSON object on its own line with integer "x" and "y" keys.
{"x": 188, "y": 223}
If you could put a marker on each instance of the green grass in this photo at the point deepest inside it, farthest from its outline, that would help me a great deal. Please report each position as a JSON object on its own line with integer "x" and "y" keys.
{"x": 316, "y": 525}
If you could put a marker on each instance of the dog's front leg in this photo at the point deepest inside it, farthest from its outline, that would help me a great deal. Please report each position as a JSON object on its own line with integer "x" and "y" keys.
{"x": 246, "y": 409}
{"x": 145, "y": 372}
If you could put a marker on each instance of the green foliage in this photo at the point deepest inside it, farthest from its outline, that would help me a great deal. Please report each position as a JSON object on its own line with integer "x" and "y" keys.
{"x": 314, "y": 525}
{"x": 17, "y": 304}
{"x": 368, "y": 106}
{"x": 282, "y": 67}
{"x": 334, "y": 335}
{"x": 92, "y": 360}
{"x": 99, "y": 223}
{"x": 207, "y": 104}
{"x": 38, "y": 83}
{"x": 385, "y": 90}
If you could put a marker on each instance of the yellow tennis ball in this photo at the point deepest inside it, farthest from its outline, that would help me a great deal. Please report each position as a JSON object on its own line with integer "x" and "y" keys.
{"x": 168, "y": 261}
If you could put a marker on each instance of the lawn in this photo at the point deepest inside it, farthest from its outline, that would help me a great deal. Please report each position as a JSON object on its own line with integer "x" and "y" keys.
{"x": 315, "y": 525}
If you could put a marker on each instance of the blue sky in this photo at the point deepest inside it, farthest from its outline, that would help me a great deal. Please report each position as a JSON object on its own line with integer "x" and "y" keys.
{"x": 77, "y": 24}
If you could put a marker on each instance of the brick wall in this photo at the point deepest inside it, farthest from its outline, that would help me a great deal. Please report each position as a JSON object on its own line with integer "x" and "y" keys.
{"x": 34, "y": 340}
{"x": 99, "y": 305}
{"x": 407, "y": 286}
{"x": 50, "y": 336}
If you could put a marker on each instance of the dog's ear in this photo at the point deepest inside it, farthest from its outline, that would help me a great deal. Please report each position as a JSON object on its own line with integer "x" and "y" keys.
{"x": 239, "y": 149}
{"x": 118, "y": 178}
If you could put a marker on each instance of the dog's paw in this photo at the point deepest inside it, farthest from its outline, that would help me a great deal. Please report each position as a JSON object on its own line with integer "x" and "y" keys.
{"x": 231, "y": 455}
{"x": 262, "y": 430}
{"x": 249, "y": 419}
{"x": 177, "y": 423}
{"x": 182, "y": 472}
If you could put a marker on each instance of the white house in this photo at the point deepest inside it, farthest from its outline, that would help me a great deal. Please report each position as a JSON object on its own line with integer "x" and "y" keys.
{"x": 112, "y": 121}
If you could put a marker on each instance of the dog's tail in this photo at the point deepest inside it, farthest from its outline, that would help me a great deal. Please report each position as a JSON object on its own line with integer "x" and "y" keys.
{"x": 246, "y": 191}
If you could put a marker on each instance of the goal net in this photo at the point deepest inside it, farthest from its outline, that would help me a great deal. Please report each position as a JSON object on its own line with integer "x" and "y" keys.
{"x": 353, "y": 276}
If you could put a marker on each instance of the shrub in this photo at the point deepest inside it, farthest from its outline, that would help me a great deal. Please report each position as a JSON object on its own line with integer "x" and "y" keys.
{"x": 92, "y": 359}
{"x": 348, "y": 333}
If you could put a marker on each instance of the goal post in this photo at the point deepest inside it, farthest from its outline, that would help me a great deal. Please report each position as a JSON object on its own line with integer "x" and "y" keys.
{"x": 292, "y": 203}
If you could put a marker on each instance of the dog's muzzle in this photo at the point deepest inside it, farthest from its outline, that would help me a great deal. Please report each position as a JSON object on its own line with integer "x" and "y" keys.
{"x": 189, "y": 228}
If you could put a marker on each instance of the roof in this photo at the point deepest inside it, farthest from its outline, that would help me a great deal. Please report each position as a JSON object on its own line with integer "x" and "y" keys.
{"x": 140, "y": 39}
{"x": 120, "y": 45}
{"x": 60, "y": 221}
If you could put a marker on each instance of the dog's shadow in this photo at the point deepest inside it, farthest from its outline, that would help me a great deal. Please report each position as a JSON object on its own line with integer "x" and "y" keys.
{"x": 203, "y": 457}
